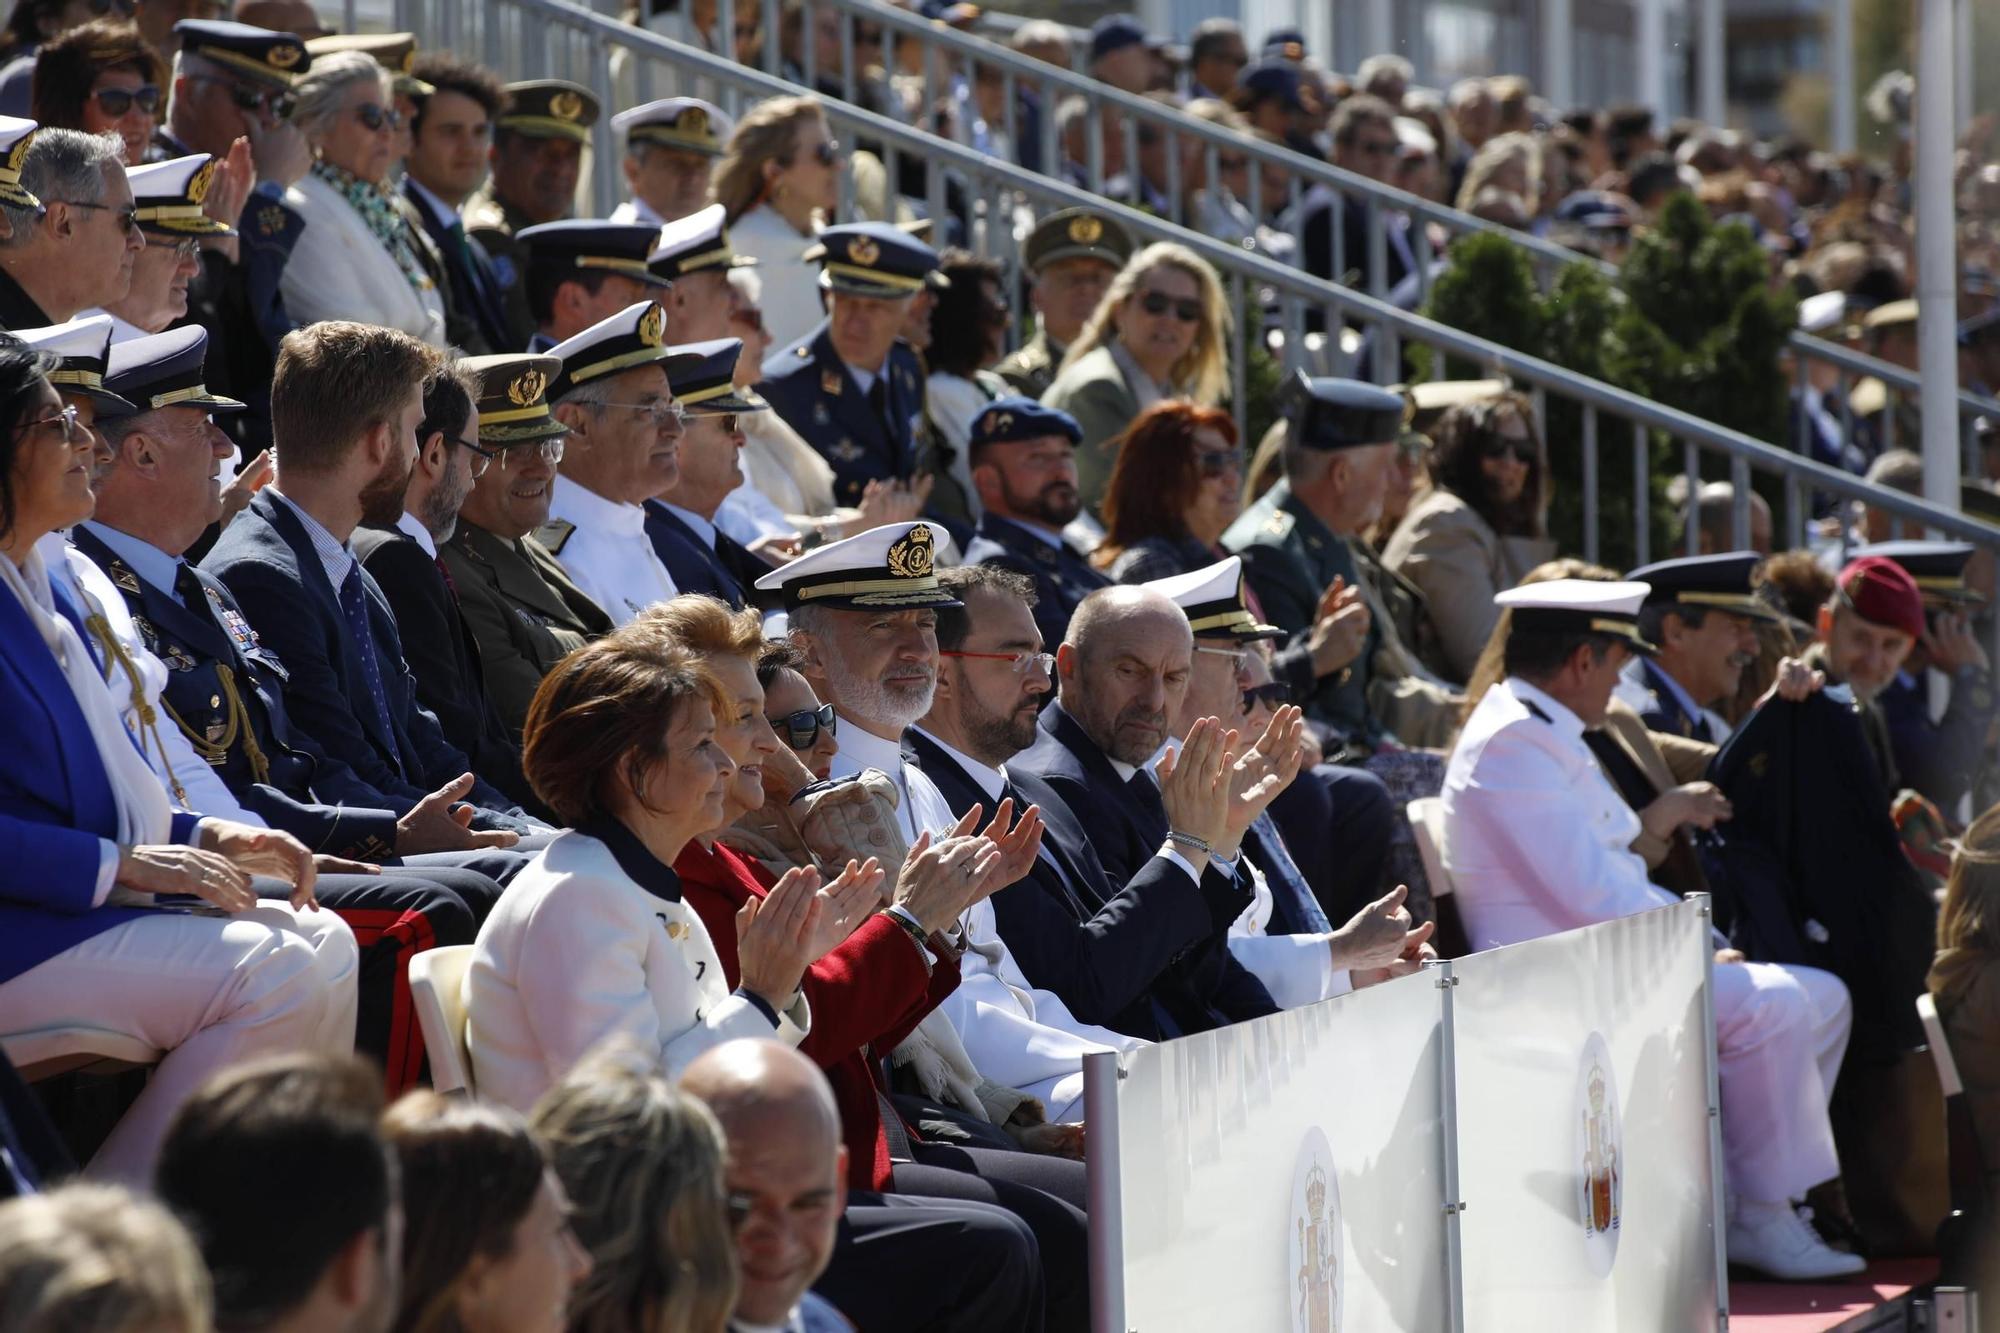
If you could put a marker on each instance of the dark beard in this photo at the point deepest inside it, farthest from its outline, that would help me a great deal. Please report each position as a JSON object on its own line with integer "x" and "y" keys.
{"x": 382, "y": 498}
{"x": 997, "y": 737}
{"x": 1055, "y": 504}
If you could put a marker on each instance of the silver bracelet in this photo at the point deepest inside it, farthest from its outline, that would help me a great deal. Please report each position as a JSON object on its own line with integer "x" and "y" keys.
{"x": 1189, "y": 840}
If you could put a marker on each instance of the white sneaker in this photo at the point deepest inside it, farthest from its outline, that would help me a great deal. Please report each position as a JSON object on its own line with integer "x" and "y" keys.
{"x": 1776, "y": 1241}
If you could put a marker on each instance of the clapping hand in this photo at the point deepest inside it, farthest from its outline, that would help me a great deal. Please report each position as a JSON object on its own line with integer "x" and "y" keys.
{"x": 1018, "y": 847}
{"x": 1794, "y": 682}
{"x": 852, "y": 897}
{"x": 1264, "y": 770}
{"x": 1194, "y": 787}
{"x": 1340, "y": 627}
{"x": 1380, "y": 935}
{"x": 941, "y": 880}
{"x": 776, "y": 936}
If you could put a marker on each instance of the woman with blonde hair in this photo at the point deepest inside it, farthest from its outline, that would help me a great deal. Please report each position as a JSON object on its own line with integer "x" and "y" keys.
{"x": 487, "y": 1243}
{"x": 1161, "y": 331}
{"x": 778, "y": 183}
{"x": 1965, "y": 976}
{"x": 101, "y": 1258}
{"x": 642, "y": 1163}
{"x": 1510, "y": 162}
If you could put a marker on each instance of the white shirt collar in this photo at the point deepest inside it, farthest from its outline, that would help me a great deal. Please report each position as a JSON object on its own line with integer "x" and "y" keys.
{"x": 1560, "y": 715}
{"x": 592, "y": 512}
{"x": 864, "y": 749}
{"x": 334, "y": 557}
{"x": 407, "y": 524}
{"x": 445, "y": 214}
{"x": 1049, "y": 535}
{"x": 991, "y": 780}
{"x": 702, "y": 527}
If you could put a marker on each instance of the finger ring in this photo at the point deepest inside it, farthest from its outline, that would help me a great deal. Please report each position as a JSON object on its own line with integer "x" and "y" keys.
{"x": 966, "y": 870}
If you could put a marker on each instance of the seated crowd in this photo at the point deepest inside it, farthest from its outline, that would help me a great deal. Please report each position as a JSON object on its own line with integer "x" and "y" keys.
{"x": 823, "y": 729}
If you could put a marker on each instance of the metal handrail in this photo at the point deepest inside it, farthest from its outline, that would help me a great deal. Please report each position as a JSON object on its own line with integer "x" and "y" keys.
{"x": 1174, "y": 121}
{"x": 575, "y": 42}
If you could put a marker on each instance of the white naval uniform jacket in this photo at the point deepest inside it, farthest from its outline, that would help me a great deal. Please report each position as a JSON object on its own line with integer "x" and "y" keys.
{"x": 578, "y": 950}
{"x": 1536, "y": 838}
{"x": 603, "y": 547}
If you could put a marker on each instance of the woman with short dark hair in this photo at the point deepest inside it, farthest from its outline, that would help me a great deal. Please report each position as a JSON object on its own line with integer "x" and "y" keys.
{"x": 487, "y": 1244}
{"x": 620, "y": 743}
{"x": 1176, "y": 485}
{"x": 1482, "y": 527}
{"x": 102, "y": 77}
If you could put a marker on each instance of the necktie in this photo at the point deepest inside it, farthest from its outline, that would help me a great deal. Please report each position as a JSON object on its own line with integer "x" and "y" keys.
{"x": 444, "y": 572}
{"x": 1292, "y": 895}
{"x": 188, "y": 588}
{"x": 1147, "y": 792}
{"x": 878, "y": 400}
{"x": 354, "y": 607}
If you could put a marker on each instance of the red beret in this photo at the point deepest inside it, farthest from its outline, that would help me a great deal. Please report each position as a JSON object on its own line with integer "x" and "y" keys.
{"x": 1883, "y": 592}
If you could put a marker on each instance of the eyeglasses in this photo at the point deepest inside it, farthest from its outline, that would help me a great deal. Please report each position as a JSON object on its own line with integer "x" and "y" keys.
{"x": 375, "y": 118}
{"x": 826, "y": 152}
{"x": 1218, "y": 462}
{"x": 752, "y": 320}
{"x": 1273, "y": 694}
{"x": 661, "y": 413}
{"x": 482, "y": 457}
{"x": 115, "y": 102}
{"x": 1236, "y": 656}
{"x": 183, "y": 250}
{"x": 275, "y": 102}
{"x": 1375, "y": 147}
{"x": 548, "y": 451}
{"x": 66, "y": 418}
{"x": 1159, "y": 303}
{"x": 801, "y": 729}
{"x": 1045, "y": 663}
{"x": 1522, "y": 451}
{"x": 128, "y": 216}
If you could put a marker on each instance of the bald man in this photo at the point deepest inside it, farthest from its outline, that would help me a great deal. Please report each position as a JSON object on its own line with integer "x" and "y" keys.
{"x": 881, "y": 1261}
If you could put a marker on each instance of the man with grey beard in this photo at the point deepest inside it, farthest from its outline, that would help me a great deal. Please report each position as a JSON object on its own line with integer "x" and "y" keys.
{"x": 402, "y": 557}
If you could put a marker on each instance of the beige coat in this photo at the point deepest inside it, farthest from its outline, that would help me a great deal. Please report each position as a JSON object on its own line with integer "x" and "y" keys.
{"x": 1459, "y": 562}
{"x": 1668, "y": 760}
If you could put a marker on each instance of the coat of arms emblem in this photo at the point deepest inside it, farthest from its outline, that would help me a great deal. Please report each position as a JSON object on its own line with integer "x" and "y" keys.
{"x": 1315, "y": 1240}
{"x": 1600, "y": 1155}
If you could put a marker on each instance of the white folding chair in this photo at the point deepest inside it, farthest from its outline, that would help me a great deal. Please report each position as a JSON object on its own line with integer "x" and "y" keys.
{"x": 437, "y": 979}
{"x": 47, "y": 1052}
{"x": 1947, "y": 1067}
{"x": 1427, "y": 824}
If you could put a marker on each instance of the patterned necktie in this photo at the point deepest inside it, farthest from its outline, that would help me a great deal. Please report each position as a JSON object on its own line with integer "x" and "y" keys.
{"x": 354, "y": 607}
{"x": 1285, "y": 878}
{"x": 444, "y": 572}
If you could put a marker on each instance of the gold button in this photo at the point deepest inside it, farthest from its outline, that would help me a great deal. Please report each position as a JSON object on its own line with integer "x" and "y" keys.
{"x": 215, "y": 701}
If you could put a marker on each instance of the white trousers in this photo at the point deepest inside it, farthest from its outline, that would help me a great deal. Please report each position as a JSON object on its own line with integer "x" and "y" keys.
{"x": 210, "y": 992}
{"x": 1780, "y": 1032}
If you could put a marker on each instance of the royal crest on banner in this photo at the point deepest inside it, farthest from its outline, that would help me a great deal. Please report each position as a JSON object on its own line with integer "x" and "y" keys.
{"x": 1600, "y": 1154}
{"x": 1315, "y": 1238}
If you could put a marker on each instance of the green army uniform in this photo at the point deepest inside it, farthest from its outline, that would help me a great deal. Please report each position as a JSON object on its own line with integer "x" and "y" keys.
{"x": 523, "y": 612}
{"x": 1069, "y": 233}
{"x": 536, "y": 109}
{"x": 1032, "y": 369}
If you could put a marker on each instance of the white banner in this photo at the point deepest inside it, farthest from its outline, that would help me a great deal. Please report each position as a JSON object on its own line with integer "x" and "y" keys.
{"x": 1582, "y": 1065}
{"x": 1286, "y": 1173}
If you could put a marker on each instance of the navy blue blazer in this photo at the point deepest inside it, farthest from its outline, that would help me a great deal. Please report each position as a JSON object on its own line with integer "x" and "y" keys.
{"x": 315, "y": 798}
{"x": 809, "y": 386}
{"x": 268, "y": 562}
{"x": 1062, "y": 576}
{"x": 475, "y": 288}
{"x": 1106, "y": 949}
{"x": 56, "y": 803}
{"x": 1126, "y": 832}
{"x": 727, "y": 573}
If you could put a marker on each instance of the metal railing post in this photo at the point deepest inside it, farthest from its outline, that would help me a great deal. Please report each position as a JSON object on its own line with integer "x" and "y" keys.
{"x": 1101, "y": 1185}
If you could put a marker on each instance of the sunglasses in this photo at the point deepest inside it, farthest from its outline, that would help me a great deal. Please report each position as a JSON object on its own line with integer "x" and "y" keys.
{"x": 115, "y": 102}
{"x": 128, "y": 217}
{"x": 1159, "y": 303}
{"x": 826, "y": 152}
{"x": 1218, "y": 462}
{"x": 276, "y": 102}
{"x": 1273, "y": 694}
{"x": 375, "y": 118}
{"x": 1521, "y": 451}
{"x": 801, "y": 729}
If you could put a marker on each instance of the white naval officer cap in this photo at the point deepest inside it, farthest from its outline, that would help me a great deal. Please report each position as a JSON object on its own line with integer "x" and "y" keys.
{"x": 1215, "y": 602}
{"x": 893, "y": 567}
{"x": 1579, "y": 606}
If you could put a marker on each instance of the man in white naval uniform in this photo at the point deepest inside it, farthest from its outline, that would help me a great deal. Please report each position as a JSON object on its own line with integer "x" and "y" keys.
{"x": 623, "y": 447}
{"x": 863, "y": 611}
{"x": 1537, "y": 841}
{"x": 670, "y": 147}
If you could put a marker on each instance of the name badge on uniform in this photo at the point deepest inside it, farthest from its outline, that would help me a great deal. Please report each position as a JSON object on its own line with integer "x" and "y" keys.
{"x": 829, "y": 381}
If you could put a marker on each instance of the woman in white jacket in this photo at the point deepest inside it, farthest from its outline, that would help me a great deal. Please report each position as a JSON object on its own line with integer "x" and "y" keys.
{"x": 357, "y": 258}
{"x": 593, "y": 940}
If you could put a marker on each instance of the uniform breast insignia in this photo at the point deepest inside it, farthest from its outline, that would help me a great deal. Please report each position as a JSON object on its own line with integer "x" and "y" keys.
{"x": 1760, "y": 764}
{"x": 271, "y": 221}
{"x": 821, "y": 417}
{"x": 1278, "y": 524}
{"x": 233, "y": 623}
{"x": 555, "y": 534}
{"x": 829, "y": 381}
{"x": 123, "y": 577}
{"x": 846, "y": 451}
{"x": 150, "y": 635}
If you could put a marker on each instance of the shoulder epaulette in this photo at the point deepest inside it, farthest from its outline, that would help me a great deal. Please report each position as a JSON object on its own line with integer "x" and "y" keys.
{"x": 554, "y": 534}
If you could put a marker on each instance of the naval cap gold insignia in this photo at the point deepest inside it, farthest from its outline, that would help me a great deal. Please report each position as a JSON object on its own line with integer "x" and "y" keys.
{"x": 566, "y": 105}
{"x": 1085, "y": 230}
{"x": 911, "y": 555}
{"x": 864, "y": 252}
{"x": 653, "y": 327}
{"x": 282, "y": 56}
{"x": 197, "y": 190}
{"x": 527, "y": 387}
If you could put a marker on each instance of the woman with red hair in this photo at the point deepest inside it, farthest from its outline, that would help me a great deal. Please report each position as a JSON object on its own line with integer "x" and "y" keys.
{"x": 1177, "y": 483}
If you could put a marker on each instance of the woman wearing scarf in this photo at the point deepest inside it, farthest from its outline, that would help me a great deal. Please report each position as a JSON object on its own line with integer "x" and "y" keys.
{"x": 358, "y": 258}
{"x": 117, "y": 914}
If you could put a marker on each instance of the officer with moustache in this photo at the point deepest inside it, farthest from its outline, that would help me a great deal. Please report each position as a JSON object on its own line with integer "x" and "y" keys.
{"x": 1703, "y": 615}
{"x": 1073, "y": 254}
{"x": 1023, "y": 458}
{"x": 537, "y": 156}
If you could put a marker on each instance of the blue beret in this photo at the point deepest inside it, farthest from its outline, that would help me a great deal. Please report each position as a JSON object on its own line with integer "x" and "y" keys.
{"x": 1273, "y": 76}
{"x": 1115, "y": 32}
{"x": 1007, "y": 420}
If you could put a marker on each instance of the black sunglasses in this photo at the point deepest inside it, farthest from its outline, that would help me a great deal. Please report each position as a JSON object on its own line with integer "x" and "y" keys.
{"x": 115, "y": 102}
{"x": 1522, "y": 451}
{"x": 1159, "y": 303}
{"x": 1218, "y": 462}
{"x": 801, "y": 729}
{"x": 1273, "y": 694}
{"x": 826, "y": 152}
{"x": 277, "y": 103}
{"x": 375, "y": 118}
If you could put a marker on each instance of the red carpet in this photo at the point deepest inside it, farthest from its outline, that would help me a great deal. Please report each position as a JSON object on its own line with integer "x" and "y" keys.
{"x": 1799, "y": 1307}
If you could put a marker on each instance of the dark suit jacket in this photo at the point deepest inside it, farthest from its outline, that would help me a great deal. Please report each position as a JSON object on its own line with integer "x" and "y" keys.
{"x": 1126, "y": 833}
{"x": 523, "y": 611}
{"x": 269, "y": 563}
{"x": 1108, "y": 950}
{"x": 727, "y": 573}
{"x": 315, "y": 798}
{"x": 243, "y": 310}
{"x": 1062, "y": 576}
{"x": 474, "y": 305}
{"x": 442, "y": 656}
{"x": 809, "y": 386}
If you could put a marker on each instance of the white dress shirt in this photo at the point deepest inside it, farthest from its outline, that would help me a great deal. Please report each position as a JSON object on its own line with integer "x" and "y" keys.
{"x": 412, "y": 527}
{"x": 609, "y": 556}
{"x": 576, "y": 951}
{"x": 1017, "y": 1034}
{"x": 636, "y": 210}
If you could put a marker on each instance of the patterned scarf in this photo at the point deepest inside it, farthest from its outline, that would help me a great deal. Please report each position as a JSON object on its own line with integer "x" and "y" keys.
{"x": 378, "y": 210}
